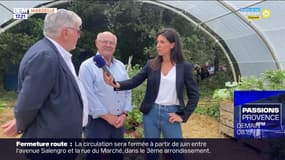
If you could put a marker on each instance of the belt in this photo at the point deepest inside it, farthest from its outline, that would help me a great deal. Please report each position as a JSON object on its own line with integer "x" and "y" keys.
{"x": 160, "y": 105}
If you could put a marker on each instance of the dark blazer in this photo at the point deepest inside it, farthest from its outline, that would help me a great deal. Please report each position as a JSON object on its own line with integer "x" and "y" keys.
{"x": 49, "y": 103}
{"x": 184, "y": 77}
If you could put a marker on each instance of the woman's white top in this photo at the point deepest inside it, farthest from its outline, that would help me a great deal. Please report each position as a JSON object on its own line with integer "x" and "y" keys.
{"x": 167, "y": 94}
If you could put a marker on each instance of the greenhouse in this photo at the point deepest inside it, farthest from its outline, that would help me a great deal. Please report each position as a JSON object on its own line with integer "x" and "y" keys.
{"x": 256, "y": 45}
{"x": 250, "y": 33}
{"x": 238, "y": 43}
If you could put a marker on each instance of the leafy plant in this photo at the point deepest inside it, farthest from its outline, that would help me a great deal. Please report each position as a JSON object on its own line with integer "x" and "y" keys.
{"x": 274, "y": 79}
{"x": 225, "y": 93}
{"x": 210, "y": 109}
{"x": 250, "y": 83}
{"x": 269, "y": 80}
{"x": 138, "y": 92}
{"x": 133, "y": 124}
{"x": 134, "y": 119}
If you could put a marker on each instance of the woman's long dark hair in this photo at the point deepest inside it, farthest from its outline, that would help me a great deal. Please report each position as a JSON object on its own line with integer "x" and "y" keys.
{"x": 176, "y": 54}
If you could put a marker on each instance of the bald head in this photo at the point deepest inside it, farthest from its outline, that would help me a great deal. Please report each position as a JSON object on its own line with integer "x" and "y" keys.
{"x": 102, "y": 35}
{"x": 106, "y": 44}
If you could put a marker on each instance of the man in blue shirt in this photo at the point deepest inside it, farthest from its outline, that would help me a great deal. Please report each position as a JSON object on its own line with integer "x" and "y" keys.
{"x": 108, "y": 109}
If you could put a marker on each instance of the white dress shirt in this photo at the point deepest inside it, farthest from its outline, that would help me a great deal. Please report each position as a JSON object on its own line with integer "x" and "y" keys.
{"x": 67, "y": 58}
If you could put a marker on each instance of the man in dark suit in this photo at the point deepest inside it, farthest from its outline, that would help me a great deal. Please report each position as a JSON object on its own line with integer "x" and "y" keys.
{"x": 51, "y": 101}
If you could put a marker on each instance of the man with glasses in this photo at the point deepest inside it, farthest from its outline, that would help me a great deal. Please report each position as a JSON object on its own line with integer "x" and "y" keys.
{"x": 52, "y": 101}
{"x": 108, "y": 109}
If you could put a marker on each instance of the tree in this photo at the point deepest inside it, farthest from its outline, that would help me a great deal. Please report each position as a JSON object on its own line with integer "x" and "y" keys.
{"x": 135, "y": 24}
{"x": 15, "y": 42}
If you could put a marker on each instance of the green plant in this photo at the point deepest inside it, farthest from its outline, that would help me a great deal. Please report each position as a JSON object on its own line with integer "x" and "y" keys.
{"x": 16, "y": 41}
{"x": 274, "y": 79}
{"x": 251, "y": 83}
{"x": 134, "y": 119}
{"x": 269, "y": 80}
{"x": 225, "y": 93}
{"x": 133, "y": 124}
{"x": 138, "y": 92}
{"x": 210, "y": 109}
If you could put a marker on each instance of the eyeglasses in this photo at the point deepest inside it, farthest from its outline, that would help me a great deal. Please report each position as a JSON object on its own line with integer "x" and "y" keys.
{"x": 108, "y": 42}
{"x": 77, "y": 30}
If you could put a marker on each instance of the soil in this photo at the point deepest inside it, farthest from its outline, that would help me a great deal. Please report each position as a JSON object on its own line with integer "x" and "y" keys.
{"x": 5, "y": 116}
{"x": 201, "y": 126}
{"x": 198, "y": 126}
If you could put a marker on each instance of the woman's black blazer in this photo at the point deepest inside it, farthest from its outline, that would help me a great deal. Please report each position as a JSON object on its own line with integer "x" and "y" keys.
{"x": 184, "y": 79}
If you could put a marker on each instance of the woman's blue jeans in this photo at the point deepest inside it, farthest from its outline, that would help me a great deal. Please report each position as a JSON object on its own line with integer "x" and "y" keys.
{"x": 157, "y": 122}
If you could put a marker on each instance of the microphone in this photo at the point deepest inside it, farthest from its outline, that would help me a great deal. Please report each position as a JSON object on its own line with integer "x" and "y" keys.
{"x": 100, "y": 63}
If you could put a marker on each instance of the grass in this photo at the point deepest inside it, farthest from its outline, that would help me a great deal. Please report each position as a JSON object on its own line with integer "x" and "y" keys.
{"x": 211, "y": 109}
{"x": 7, "y": 99}
{"x": 207, "y": 106}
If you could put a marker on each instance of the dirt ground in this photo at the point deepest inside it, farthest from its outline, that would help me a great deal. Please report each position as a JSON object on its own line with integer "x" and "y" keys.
{"x": 198, "y": 126}
{"x": 5, "y": 115}
{"x": 201, "y": 126}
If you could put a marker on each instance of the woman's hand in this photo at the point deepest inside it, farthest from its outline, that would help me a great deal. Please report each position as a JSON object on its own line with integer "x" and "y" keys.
{"x": 173, "y": 117}
{"x": 110, "y": 80}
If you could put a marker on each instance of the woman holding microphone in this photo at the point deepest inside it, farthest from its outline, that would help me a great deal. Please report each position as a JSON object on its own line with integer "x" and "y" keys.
{"x": 167, "y": 75}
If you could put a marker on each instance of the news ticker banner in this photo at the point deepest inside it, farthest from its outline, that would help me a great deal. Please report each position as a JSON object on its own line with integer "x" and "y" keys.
{"x": 137, "y": 149}
{"x": 259, "y": 114}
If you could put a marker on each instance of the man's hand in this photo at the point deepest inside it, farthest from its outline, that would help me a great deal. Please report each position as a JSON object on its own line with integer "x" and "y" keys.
{"x": 10, "y": 128}
{"x": 111, "y": 119}
{"x": 121, "y": 120}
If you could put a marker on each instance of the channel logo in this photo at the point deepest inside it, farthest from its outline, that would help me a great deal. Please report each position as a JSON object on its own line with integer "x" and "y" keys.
{"x": 265, "y": 13}
{"x": 23, "y": 13}
{"x": 255, "y": 13}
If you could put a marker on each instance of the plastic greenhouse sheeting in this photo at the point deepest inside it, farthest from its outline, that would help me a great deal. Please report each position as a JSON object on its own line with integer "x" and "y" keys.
{"x": 256, "y": 45}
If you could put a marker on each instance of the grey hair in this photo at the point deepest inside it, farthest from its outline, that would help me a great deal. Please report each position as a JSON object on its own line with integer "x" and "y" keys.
{"x": 99, "y": 35}
{"x": 55, "y": 21}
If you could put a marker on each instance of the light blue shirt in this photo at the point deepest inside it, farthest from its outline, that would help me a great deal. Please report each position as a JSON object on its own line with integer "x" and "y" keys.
{"x": 102, "y": 98}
